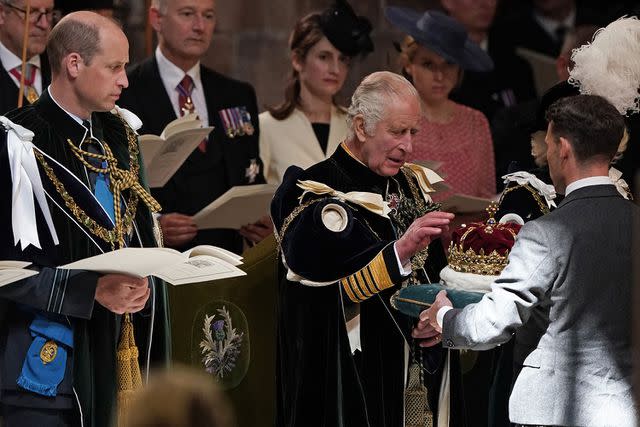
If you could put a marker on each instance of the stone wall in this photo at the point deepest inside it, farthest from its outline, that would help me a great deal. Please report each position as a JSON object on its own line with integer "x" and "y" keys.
{"x": 250, "y": 41}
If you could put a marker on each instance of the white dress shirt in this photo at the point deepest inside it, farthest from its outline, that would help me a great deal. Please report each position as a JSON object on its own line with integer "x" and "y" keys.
{"x": 586, "y": 182}
{"x": 551, "y": 26}
{"x": 11, "y": 61}
{"x": 172, "y": 75}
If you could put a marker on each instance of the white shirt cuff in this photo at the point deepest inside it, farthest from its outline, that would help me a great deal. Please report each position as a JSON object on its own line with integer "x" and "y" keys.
{"x": 405, "y": 270}
{"x": 441, "y": 313}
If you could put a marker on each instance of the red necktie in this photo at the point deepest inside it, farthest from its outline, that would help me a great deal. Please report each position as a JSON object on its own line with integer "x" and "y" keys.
{"x": 184, "y": 88}
{"x": 29, "y": 79}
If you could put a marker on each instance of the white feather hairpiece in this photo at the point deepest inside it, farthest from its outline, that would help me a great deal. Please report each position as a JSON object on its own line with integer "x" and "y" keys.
{"x": 609, "y": 66}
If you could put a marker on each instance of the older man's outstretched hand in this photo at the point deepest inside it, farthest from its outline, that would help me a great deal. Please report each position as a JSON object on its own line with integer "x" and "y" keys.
{"x": 421, "y": 232}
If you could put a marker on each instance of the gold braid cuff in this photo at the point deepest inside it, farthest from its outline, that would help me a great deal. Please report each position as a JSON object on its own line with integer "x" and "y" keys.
{"x": 368, "y": 281}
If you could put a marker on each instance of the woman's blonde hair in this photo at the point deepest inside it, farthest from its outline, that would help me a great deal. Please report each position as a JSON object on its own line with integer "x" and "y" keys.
{"x": 408, "y": 48}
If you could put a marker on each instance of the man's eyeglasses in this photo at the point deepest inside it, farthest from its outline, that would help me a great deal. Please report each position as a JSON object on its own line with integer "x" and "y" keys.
{"x": 35, "y": 14}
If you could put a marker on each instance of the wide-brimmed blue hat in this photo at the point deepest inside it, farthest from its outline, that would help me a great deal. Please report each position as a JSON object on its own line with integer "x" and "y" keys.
{"x": 441, "y": 34}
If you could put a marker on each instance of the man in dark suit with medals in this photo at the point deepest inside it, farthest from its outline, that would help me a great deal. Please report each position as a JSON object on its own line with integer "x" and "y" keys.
{"x": 72, "y": 188}
{"x": 36, "y": 70}
{"x": 171, "y": 83}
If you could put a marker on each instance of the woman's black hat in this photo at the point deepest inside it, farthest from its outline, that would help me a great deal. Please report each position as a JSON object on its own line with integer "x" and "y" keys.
{"x": 345, "y": 30}
{"x": 558, "y": 91}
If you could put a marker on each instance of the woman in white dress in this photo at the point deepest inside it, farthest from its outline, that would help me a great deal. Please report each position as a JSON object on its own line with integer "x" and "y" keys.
{"x": 308, "y": 125}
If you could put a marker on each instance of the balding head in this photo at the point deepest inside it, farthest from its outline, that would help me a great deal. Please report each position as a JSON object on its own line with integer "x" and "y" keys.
{"x": 78, "y": 32}
{"x": 88, "y": 54}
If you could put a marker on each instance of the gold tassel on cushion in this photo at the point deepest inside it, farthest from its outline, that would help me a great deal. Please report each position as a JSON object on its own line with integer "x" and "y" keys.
{"x": 127, "y": 368}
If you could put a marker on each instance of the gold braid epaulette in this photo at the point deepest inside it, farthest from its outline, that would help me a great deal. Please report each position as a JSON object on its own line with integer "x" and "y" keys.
{"x": 120, "y": 180}
{"x": 419, "y": 259}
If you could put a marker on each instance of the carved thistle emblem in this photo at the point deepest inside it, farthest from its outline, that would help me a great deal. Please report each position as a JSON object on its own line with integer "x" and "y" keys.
{"x": 221, "y": 343}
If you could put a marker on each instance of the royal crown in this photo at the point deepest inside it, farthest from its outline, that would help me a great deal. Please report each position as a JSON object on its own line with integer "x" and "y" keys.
{"x": 482, "y": 247}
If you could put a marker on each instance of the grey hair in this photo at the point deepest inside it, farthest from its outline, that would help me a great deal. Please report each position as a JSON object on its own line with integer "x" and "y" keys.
{"x": 372, "y": 96}
{"x": 161, "y": 5}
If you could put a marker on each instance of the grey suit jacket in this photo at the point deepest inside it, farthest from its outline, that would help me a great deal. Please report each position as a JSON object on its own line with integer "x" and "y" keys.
{"x": 566, "y": 295}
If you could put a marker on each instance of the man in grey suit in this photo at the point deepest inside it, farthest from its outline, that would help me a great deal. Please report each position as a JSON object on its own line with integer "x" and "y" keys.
{"x": 566, "y": 292}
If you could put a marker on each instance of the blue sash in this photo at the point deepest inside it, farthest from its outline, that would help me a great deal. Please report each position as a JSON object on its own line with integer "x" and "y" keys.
{"x": 45, "y": 364}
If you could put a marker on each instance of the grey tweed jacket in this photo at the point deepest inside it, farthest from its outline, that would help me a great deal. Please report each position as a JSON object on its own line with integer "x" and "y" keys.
{"x": 566, "y": 295}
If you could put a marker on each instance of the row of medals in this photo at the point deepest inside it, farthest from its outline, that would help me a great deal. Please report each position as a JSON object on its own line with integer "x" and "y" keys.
{"x": 246, "y": 128}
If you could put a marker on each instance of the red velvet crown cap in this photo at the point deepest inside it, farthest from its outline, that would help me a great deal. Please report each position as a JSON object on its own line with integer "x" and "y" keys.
{"x": 489, "y": 238}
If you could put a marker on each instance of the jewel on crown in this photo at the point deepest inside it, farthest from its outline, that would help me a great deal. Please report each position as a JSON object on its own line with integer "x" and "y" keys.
{"x": 482, "y": 247}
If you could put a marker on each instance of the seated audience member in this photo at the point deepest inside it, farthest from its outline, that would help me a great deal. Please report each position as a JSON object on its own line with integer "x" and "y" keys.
{"x": 341, "y": 347}
{"x": 308, "y": 125}
{"x": 180, "y": 397}
{"x": 433, "y": 56}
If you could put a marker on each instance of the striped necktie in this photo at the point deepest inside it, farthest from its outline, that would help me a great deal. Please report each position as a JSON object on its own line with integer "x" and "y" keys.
{"x": 185, "y": 103}
{"x": 29, "y": 80}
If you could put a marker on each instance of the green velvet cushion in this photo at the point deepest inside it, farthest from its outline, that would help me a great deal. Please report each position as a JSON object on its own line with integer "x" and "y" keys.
{"x": 412, "y": 300}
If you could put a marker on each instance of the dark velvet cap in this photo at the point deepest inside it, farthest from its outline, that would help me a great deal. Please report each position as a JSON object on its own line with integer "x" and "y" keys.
{"x": 556, "y": 92}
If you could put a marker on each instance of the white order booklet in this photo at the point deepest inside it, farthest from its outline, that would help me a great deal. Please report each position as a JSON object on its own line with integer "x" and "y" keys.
{"x": 12, "y": 271}
{"x": 241, "y": 205}
{"x": 200, "y": 264}
{"x": 163, "y": 155}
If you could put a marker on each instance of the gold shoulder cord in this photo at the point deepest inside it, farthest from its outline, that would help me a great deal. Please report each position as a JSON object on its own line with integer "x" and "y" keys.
{"x": 120, "y": 180}
{"x": 420, "y": 258}
{"x": 409, "y": 175}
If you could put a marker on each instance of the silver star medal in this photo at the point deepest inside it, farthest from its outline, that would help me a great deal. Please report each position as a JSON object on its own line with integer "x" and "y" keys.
{"x": 252, "y": 171}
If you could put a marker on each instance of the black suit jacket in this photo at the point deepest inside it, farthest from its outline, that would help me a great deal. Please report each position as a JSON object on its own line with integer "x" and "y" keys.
{"x": 204, "y": 176}
{"x": 9, "y": 92}
{"x": 508, "y": 84}
{"x": 524, "y": 31}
